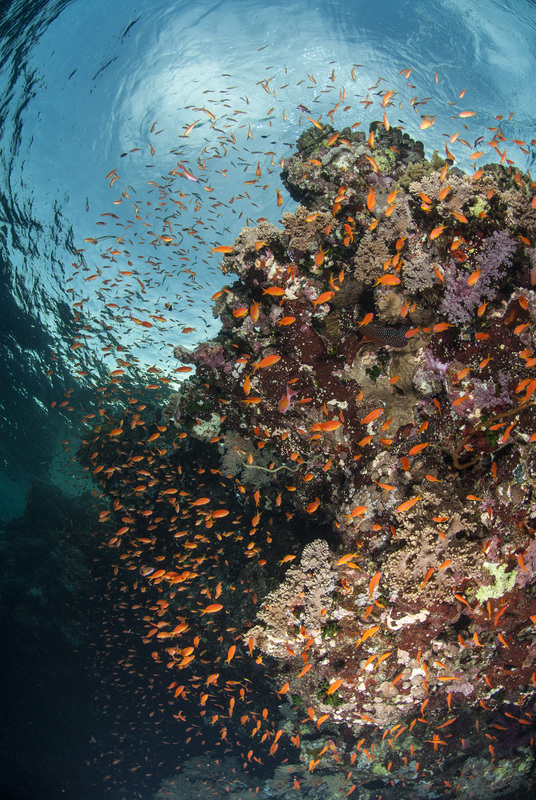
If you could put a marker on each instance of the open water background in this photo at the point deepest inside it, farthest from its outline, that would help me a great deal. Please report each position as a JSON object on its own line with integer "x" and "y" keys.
{"x": 80, "y": 84}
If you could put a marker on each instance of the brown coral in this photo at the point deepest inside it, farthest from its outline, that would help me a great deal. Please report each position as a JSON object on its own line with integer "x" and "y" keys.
{"x": 299, "y": 600}
{"x": 304, "y": 234}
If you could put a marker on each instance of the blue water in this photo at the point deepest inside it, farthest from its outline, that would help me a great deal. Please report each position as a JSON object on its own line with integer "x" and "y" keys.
{"x": 81, "y": 85}
{"x": 84, "y": 83}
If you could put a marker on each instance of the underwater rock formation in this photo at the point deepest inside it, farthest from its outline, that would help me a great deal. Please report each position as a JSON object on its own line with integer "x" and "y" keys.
{"x": 420, "y": 460}
{"x": 371, "y": 391}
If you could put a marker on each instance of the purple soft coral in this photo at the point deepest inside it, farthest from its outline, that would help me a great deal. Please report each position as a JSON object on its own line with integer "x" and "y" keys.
{"x": 460, "y": 299}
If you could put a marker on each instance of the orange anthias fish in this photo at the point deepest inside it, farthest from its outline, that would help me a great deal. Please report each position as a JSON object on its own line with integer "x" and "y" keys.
{"x": 372, "y": 416}
{"x": 285, "y": 401}
{"x": 437, "y": 232}
{"x": 345, "y": 559}
{"x": 312, "y": 507}
{"x": 325, "y": 297}
{"x": 374, "y": 581}
{"x": 182, "y": 581}
{"x": 286, "y": 559}
{"x": 473, "y": 277}
{"x": 287, "y": 321}
{"x": 330, "y": 425}
{"x": 319, "y": 258}
{"x": 408, "y": 504}
{"x": 418, "y": 448}
{"x": 366, "y": 319}
{"x": 357, "y": 512}
{"x": 266, "y": 362}
{"x": 334, "y": 686}
{"x": 388, "y": 280}
{"x": 212, "y": 609}
{"x": 201, "y": 501}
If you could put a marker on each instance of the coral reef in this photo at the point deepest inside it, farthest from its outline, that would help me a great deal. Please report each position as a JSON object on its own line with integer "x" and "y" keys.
{"x": 366, "y": 409}
{"x": 403, "y": 452}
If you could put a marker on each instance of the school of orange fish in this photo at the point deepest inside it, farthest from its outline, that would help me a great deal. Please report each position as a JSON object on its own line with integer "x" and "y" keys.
{"x": 333, "y": 513}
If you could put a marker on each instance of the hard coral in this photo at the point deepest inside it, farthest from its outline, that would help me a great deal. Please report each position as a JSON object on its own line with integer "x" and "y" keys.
{"x": 299, "y": 601}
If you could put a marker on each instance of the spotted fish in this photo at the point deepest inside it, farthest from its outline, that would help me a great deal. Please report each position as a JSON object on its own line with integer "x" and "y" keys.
{"x": 384, "y": 335}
